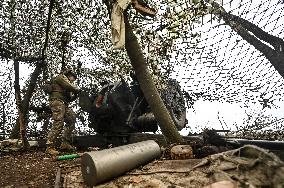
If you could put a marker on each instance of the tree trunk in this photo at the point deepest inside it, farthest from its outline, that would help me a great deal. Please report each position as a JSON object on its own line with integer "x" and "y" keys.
{"x": 244, "y": 27}
{"x": 3, "y": 121}
{"x": 19, "y": 106}
{"x": 26, "y": 99}
{"x": 33, "y": 79}
{"x": 148, "y": 86}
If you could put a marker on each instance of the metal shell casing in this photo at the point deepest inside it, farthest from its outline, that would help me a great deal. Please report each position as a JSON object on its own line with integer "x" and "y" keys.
{"x": 100, "y": 166}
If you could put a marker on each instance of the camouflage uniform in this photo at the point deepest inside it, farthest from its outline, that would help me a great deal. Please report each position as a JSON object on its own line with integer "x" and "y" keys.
{"x": 62, "y": 90}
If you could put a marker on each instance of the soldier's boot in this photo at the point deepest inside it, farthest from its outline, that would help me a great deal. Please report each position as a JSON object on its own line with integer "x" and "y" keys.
{"x": 66, "y": 146}
{"x": 51, "y": 150}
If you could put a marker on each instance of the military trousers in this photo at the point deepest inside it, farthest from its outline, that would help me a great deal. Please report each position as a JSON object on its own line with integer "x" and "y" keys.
{"x": 61, "y": 113}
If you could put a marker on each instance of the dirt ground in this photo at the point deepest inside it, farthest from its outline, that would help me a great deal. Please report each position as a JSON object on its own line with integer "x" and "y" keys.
{"x": 30, "y": 169}
{"x": 37, "y": 169}
{"x": 248, "y": 166}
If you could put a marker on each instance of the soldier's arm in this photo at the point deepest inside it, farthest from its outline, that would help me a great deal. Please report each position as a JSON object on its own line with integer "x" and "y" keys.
{"x": 64, "y": 82}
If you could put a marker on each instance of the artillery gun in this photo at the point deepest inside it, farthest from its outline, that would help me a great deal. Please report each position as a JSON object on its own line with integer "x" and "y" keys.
{"x": 119, "y": 112}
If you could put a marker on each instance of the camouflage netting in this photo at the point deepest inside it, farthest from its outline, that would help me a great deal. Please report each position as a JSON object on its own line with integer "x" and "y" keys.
{"x": 222, "y": 65}
{"x": 248, "y": 166}
{"x": 211, "y": 60}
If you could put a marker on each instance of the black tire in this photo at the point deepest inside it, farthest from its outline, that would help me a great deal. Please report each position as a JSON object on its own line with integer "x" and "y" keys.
{"x": 175, "y": 103}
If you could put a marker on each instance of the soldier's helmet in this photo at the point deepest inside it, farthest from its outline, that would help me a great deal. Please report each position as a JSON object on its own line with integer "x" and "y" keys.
{"x": 70, "y": 72}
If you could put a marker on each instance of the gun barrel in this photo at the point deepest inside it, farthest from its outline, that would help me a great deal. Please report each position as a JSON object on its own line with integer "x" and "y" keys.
{"x": 271, "y": 145}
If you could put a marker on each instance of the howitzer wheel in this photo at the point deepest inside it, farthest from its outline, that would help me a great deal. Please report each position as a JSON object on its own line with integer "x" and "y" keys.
{"x": 174, "y": 100}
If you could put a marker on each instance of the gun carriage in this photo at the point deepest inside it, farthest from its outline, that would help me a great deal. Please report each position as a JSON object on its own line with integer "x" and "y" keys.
{"x": 120, "y": 114}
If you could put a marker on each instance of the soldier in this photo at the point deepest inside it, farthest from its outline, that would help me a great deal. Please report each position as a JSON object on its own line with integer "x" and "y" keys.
{"x": 63, "y": 92}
